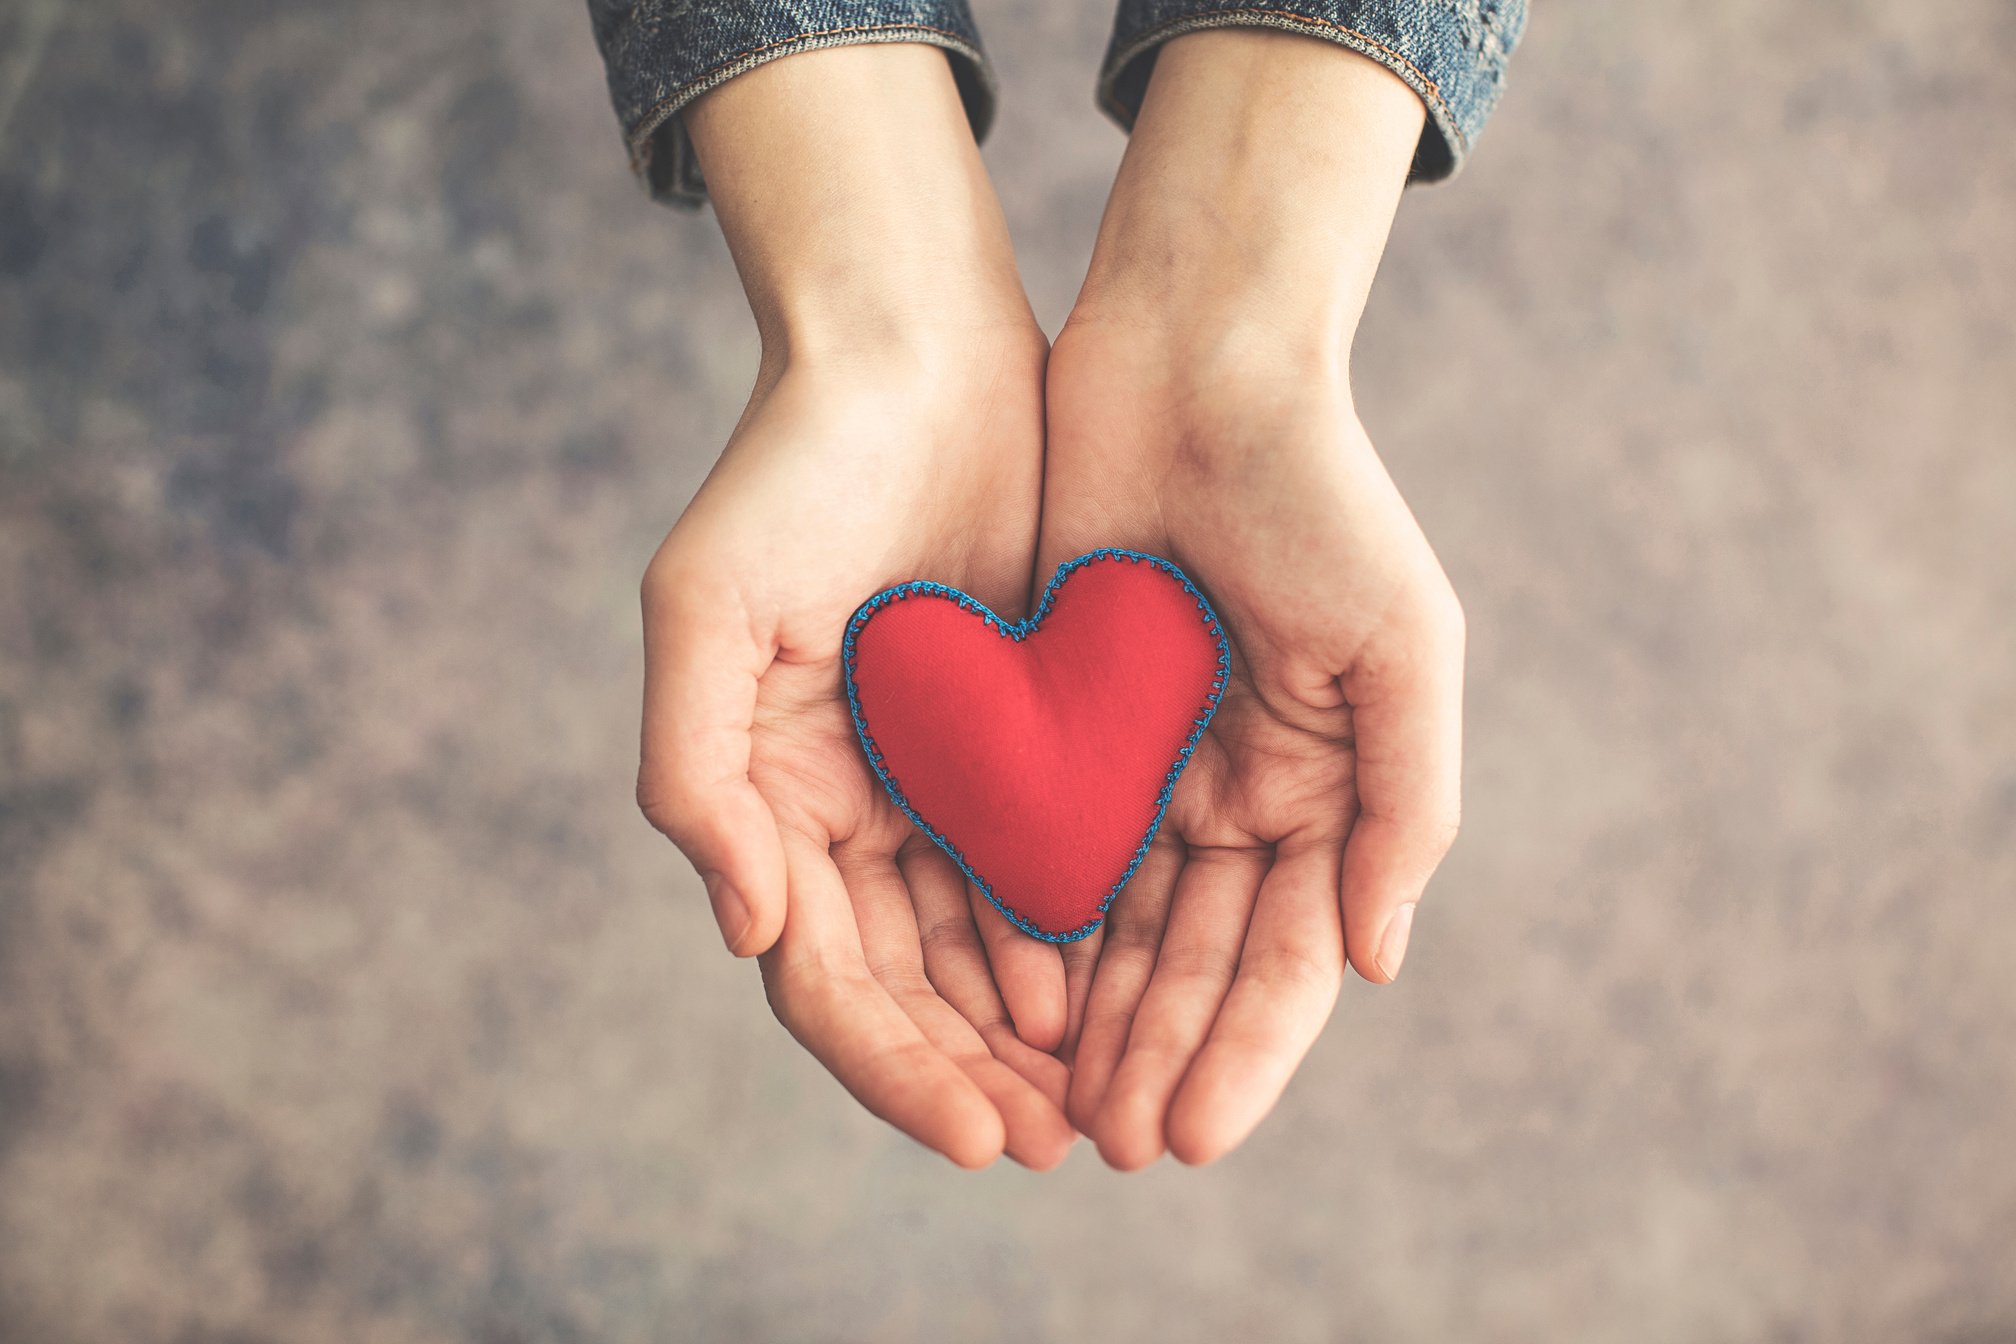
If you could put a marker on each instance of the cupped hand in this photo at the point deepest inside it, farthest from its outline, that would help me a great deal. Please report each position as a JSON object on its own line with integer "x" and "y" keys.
{"x": 1324, "y": 793}
{"x": 839, "y": 481}
{"x": 895, "y": 433}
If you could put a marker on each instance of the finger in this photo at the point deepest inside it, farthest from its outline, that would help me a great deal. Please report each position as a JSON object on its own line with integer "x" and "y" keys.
{"x": 701, "y": 667}
{"x": 1193, "y": 970}
{"x": 1129, "y": 940}
{"x": 956, "y": 965}
{"x": 1030, "y": 972}
{"x": 1289, "y": 975}
{"x": 1407, "y": 717}
{"x": 1081, "y": 964}
{"x": 819, "y": 985}
{"x": 1037, "y": 1134}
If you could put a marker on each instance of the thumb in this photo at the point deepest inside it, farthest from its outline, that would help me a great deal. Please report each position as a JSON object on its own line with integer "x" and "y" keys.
{"x": 701, "y": 667}
{"x": 1409, "y": 732}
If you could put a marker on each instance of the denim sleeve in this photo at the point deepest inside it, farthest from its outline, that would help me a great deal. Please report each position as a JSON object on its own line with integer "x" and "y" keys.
{"x": 1451, "y": 52}
{"x": 662, "y": 54}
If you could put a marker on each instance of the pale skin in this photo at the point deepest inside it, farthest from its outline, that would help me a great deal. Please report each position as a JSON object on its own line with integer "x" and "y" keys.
{"x": 905, "y": 424}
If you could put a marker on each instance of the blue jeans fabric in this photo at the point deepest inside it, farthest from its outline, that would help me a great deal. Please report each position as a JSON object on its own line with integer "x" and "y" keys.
{"x": 662, "y": 54}
{"x": 1451, "y": 52}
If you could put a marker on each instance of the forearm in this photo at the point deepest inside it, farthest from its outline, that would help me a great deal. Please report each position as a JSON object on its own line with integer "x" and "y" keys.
{"x": 853, "y": 198}
{"x": 1257, "y": 191}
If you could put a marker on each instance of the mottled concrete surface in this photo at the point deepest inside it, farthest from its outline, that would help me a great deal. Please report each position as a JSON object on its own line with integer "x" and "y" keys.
{"x": 346, "y": 383}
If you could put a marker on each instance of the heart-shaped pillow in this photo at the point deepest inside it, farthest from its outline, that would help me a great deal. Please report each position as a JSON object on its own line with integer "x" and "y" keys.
{"x": 1040, "y": 755}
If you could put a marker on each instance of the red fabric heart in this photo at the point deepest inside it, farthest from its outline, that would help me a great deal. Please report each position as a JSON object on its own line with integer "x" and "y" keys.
{"x": 1039, "y": 755}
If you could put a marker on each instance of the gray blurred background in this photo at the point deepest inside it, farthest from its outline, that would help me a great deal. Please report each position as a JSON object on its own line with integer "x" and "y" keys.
{"x": 346, "y": 384}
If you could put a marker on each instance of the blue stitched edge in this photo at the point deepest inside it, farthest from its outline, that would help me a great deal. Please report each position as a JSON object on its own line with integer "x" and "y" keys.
{"x": 1019, "y": 631}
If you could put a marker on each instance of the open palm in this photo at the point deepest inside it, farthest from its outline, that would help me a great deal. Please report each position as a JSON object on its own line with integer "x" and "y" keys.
{"x": 1324, "y": 792}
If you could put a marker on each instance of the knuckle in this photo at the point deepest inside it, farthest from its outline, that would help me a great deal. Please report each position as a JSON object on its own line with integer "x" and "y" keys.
{"x": 996, "y": 1028}
{"x": 673, "y": 808}
{"x": 1161, "y": 1044}
{"x": 1112, "y": 1020}
{"x": 1188, "y": 964}
{"x": 1133, "y": 958}
{"x": 904, "y": 982}
{"x": 800, "y": 984}
{"x": 656, "y": 803}
{"x": 1297, "y": 970}
{"x": 946, "y": 935}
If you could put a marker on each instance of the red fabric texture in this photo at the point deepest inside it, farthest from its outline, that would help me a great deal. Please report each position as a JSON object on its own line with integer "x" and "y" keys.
{"x": 1042, "y": 761}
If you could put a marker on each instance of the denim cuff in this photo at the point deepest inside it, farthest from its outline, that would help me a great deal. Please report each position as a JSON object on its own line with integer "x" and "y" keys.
{"x": 1450, "y": 52}
{"x": 662, "y": 54}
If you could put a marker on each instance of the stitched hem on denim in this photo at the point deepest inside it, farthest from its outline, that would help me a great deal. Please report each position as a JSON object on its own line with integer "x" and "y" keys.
{"x": 1443, "y": 146}
{"x": 675, "y": 178}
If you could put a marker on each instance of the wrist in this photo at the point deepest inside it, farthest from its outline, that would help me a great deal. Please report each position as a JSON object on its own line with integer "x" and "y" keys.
{"x": 899, "y": 324}
{"x": 1257, "y": 190}
{"x": 918, "y": 378}
{"x": 854, "y": 201}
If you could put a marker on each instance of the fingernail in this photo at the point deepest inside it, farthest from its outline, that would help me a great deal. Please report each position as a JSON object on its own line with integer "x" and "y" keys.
{"x": 1393, "y": 945}
{"x": 731, "y": 912}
